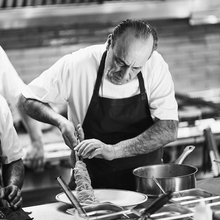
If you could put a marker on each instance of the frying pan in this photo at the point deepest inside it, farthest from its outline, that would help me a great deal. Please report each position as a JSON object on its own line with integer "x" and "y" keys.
{"x": 172, "y": 177}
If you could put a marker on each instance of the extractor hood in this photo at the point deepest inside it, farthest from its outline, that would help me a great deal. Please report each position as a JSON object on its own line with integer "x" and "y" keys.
{"x": 205, "y": 12}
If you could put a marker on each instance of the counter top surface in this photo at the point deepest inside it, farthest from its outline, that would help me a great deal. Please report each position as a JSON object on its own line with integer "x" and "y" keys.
{"x": 52, "y": 211}
{"x": 211, "y": 185}
{"x": 57, "y": 210}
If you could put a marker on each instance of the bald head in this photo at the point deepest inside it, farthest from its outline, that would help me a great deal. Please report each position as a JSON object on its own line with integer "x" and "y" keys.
{"x": 140, "y": 28}
{"x": 128, "y": 51}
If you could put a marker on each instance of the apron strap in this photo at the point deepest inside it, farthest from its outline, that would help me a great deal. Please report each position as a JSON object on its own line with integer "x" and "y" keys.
{"x": 99, "y": 77}
{"x": 142, "y": 87}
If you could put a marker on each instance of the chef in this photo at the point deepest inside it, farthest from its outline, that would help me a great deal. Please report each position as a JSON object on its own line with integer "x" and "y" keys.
{"x": 11, "y": 86}
{"x": 123, "y": 95}
{"x": 12, "y": 169}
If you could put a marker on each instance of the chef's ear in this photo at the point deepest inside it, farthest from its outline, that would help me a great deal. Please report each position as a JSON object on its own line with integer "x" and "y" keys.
{"x": 109, "y": 41}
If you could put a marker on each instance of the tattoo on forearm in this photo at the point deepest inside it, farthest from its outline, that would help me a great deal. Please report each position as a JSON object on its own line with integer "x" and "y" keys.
{"x": 13, "y": 173}
{"x": 37, "y": 110}
{"x": 158, "y": 135}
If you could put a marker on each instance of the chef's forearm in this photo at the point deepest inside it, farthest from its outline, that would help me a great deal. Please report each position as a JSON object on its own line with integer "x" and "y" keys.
{"x": 13, "y": 173}
{"x": 40, "y": 111}
{"x": 33, "y": 127}
{"x": 158, "y": 135}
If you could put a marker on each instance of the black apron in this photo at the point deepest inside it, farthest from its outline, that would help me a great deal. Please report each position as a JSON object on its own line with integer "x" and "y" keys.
{"x": 112, "y": 121}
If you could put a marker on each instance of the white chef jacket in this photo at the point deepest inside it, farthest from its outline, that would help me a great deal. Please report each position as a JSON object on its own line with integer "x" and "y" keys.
{"x": 72, "y": 78}
{"x": 11, "y": 149}
{"x": 11, "y": 84}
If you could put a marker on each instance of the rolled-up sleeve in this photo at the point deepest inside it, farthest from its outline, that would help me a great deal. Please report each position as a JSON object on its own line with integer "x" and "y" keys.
{"x": 163, "y": 104}
{"x": 52, "y": 85}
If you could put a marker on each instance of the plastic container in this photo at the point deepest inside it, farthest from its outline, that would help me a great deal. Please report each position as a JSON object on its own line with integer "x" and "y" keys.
{"x": 202, "y": 212}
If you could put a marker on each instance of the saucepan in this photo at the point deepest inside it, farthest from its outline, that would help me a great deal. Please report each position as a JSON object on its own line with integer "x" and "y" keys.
{"x": 172, "y": 176}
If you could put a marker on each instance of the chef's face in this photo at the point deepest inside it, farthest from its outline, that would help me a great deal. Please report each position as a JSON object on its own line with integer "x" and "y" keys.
{"x": 126, "y": 57}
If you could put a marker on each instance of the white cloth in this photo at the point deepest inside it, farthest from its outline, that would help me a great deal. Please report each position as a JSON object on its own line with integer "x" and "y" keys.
{"x": 11, "y": 149}
{"x": 11, "y": 84}
{"x": 72, "y": 78}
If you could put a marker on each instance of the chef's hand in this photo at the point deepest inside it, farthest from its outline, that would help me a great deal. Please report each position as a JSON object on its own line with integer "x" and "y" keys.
{"x": 79, "y": 132}
{"x": 69, "y": 134}
{"x": 12, "y": 194}
{"x": 94, "y": 148}
{"x": 34, "y": 158}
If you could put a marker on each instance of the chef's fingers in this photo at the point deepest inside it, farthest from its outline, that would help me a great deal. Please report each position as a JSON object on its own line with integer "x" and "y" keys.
{"x": 16, "y": 203}
{"x": 34, "y": 157}
{"x": 16, "y": 200}
{"x": 6, "y": 191}
{"x": 34, "y": 163}
{"x": 80, "y": 148}
{"x": 2, "y": 192}
{"x": 70, "y": 141}
{"x": 68, "y": 132}
{"x": 88, "y": 149}
{"x": 84, "y": 147}
{"x": 37, "y": 163}
{"x": 96, "y": 153}
{"x": 80, "y": 132}
{"x": 12, "y": 194}
{"x": 104, "y": 151}
{"x": 94, "y": 148}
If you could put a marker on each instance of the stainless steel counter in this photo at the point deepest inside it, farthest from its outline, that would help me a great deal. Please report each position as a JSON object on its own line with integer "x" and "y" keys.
{"x": 212, "y": 185}
{"x": 57, "y": 210}
{"x": 52, "y": 211}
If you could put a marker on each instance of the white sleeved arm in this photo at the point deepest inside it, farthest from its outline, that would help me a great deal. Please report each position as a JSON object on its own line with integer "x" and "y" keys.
{"x": 163, "y": 104}
{"x": 53, "y": 85}
{"x": 12, "y": 84}
{"x": 11, "y": 149}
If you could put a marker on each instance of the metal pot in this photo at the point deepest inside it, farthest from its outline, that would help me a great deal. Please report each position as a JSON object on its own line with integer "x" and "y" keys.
{"x": 171, "y": 177}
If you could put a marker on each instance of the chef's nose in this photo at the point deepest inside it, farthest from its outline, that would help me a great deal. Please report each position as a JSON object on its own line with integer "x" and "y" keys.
{"x": 125, "y": 72}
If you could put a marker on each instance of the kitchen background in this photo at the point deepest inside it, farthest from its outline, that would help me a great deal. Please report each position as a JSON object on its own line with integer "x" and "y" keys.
{"x": 35, "y": 34}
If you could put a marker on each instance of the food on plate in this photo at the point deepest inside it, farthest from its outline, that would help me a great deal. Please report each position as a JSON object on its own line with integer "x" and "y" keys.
{"x": 84, "y": 190}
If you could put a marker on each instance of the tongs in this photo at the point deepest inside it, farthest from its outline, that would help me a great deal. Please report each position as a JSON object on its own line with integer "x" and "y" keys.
{"x": 156, "y": 205}
{"x": 89, "y": 209}
{"x": 144, "y": 213}
{"x": 97, "y": 210}
{"x": 72, "y": 198}
{"x": 78, "y": 158}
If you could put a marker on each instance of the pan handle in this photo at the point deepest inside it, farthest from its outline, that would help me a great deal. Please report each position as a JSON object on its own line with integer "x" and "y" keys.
{"x": 156, "y": 205}
{"x": 184, "y": 154}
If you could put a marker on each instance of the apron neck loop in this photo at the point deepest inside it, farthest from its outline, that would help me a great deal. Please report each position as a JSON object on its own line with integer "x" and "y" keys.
{"x": 142, "y": 87}
{"x": 100, "y": 73}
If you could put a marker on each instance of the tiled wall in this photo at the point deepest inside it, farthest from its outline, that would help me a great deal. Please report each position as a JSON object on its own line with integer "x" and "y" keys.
{"x": 192, "y": 52}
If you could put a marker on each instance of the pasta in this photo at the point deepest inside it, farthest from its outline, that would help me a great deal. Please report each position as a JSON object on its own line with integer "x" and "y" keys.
{"x": 84, "y": 190}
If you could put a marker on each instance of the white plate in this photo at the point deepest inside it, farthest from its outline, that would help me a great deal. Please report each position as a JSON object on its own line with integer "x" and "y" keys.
{"x": 124, "y": 198}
